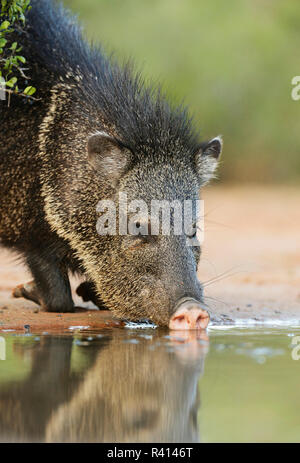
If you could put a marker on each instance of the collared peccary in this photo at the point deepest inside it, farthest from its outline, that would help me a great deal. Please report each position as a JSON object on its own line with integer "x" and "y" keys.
{"x": 97, "y": 130}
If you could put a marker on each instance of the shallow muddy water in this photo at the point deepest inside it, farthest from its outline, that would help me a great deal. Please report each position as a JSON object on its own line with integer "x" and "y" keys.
{"x": 149, "y": 385}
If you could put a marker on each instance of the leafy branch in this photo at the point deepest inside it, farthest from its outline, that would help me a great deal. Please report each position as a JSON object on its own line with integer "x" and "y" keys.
{"x": 12, "y": 61}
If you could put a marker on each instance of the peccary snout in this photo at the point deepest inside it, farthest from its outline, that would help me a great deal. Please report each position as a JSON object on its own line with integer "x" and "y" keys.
{"x": 189, "y": 315}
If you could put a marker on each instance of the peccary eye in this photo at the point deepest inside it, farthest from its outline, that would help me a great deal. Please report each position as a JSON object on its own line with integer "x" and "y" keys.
{"x": 137, "y": 241}
{"x": 141, "y": 229}
{"x": 193, "y": 231}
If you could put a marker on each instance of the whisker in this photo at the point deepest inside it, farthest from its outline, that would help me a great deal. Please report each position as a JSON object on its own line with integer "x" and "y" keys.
{"x": 223, "y": 275}
{"x": 219, "y": 223}
{"x": 204, "y": 259}
{"x": 217, "y": 300}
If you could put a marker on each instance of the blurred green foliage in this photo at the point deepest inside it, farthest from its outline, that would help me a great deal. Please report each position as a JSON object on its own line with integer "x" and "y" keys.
{"x": 232, "y": 62}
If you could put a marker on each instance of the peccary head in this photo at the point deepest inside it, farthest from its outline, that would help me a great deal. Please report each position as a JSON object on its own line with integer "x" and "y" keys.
{"x": 146, "y": 273}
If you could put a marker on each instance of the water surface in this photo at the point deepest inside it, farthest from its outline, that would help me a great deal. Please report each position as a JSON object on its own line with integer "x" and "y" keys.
{"x": 132, "y": 385}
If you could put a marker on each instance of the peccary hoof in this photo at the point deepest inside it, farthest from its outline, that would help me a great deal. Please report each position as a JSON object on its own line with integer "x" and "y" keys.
{"x": 27, "y": 291}
{"x": 30, "y": 292}
{"x": 87, "y": 292}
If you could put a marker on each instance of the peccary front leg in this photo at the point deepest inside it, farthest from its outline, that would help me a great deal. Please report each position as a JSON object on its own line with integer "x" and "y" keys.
{"x": 51, "y": 287}
{"x": 87, "y": 292}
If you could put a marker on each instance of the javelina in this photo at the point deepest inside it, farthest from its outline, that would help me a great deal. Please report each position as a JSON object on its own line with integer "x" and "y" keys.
{"x": 97, "y": 130}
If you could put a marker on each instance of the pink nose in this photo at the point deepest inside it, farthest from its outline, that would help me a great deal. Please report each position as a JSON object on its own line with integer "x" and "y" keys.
{"x": 189, "y": 316}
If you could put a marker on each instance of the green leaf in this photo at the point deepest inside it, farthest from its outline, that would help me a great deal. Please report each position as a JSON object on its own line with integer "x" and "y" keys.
{"x": 21, "y": 58}
{"x": 10, "y": 83}
{"x": 5, "y": 25}
{"x": 14, "y": 46}
{"x": 29, "y": 91}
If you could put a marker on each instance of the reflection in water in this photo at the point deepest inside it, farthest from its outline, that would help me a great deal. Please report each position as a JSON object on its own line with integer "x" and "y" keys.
{"x": 132, "y": 387}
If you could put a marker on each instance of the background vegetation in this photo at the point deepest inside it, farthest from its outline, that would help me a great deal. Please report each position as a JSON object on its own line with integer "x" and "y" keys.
{"x": 12, "y": 61}
{"x": 232, "y": 62}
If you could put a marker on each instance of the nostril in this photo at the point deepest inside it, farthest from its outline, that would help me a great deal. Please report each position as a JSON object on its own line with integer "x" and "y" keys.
{"x": 179, "y": 318}
{"x": 202, "y": 320}
{"x": 188, "y": 316}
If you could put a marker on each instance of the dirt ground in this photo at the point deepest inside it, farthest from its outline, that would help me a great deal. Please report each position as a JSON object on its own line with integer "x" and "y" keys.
{"x": 251, "y": 243}
{"x": 253, "y": 234}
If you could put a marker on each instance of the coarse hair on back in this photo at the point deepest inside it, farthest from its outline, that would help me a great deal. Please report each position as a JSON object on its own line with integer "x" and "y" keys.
{"x": 140, "y": 112}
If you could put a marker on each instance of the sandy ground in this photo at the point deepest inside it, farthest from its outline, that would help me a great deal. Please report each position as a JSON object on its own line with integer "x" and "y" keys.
{"x": 251, "y": 243}
{"x": 253, "y": 234}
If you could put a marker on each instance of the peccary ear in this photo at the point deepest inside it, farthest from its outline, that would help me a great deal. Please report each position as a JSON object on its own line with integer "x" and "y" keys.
{"x": 207, "y": 158}
{"x": 108, "y": 156}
